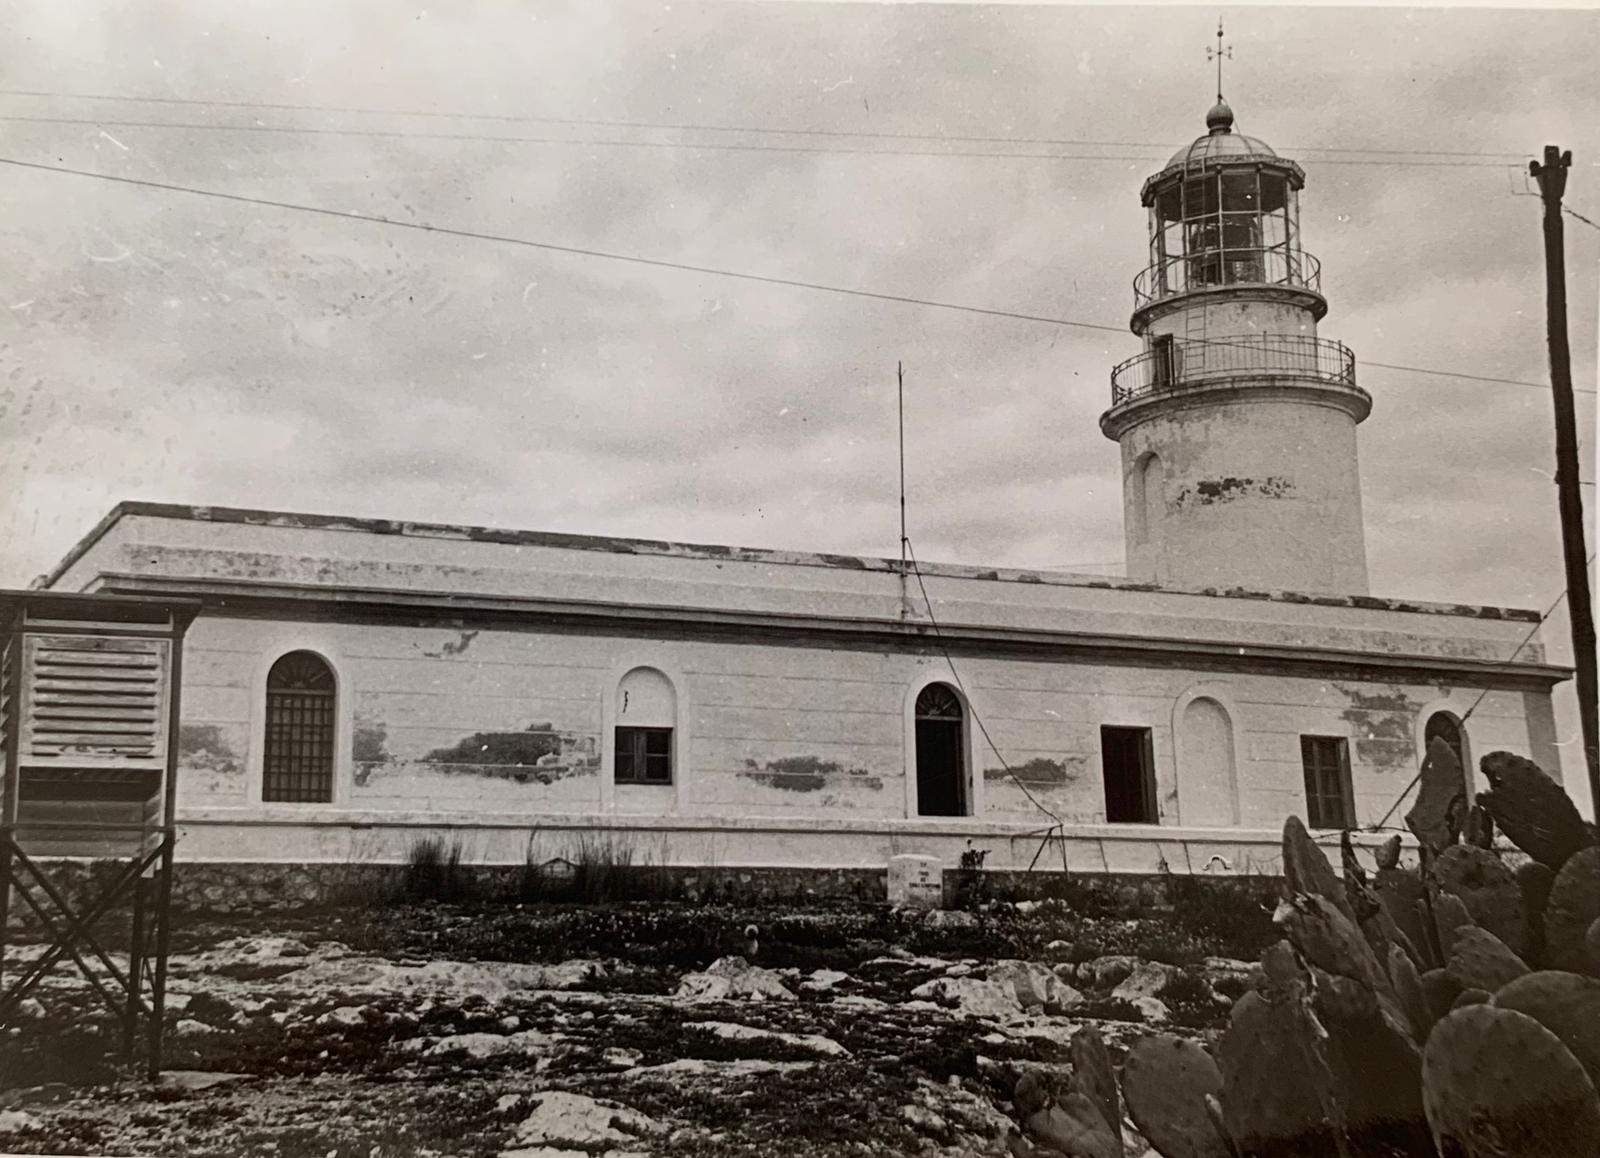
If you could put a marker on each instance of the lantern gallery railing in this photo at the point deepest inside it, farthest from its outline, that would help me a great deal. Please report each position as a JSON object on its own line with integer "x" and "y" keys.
{"x": 1224, "y": 266}
{"x": 1173, "y": 364}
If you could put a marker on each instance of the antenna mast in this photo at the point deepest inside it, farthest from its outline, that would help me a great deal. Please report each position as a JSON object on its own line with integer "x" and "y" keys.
{"x": 900, "y": 380}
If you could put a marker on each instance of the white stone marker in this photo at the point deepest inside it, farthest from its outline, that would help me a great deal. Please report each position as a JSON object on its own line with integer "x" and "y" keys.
{"x": 916, "y": 882}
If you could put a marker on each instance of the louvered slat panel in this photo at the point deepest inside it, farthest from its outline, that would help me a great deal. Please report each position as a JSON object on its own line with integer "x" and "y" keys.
{"x": 94, "y": 700}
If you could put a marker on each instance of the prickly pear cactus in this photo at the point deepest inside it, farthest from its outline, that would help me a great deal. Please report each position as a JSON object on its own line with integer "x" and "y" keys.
{"x": 1574, "y": 903}
{"x": 1073, "y": 1125}
{"x": 1435, "y": 818}
{"x": 1532, "y": 809}
{"x": 1480, "y": 960}
{"x": 1496, "y": 1083}
{"x": 1275, "y": 1076}
{"x": 1306, "y": 869}
{"x": 1534, "y": 880}
{"x": 1449, "y": 916}
{"x": 1165, "y": 1081}
{"x": 1567, "y": 1005}
{"x": 1486, "y": 887}
{"x": 1439, "y": 991}
{"x": 1472, "y": 997}
{"x": 1400, "y": 892}
{"x": 1407, "y": 983}
{"x": 1387, "y": 854}
{"x": 1094, "y": 1077}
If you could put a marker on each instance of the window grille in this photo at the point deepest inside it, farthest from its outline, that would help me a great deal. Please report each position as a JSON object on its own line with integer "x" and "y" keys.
{"x": 1330, "y": 803}
{"x": 298, "y": 765}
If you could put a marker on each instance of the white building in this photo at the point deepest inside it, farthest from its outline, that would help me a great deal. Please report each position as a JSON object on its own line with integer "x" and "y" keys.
{"x": 353, "y": 685}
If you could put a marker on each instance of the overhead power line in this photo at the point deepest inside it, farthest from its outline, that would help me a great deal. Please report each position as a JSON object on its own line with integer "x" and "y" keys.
{"x": 684, "y": 126}
{"x": 657, "y": 263}
{"x": 690, "y": 146}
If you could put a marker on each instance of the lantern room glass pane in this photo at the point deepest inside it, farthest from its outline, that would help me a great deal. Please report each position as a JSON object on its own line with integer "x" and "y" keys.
{"x": 1274, "y": 193}
{"x": 1199, "y": 197}
{"x": 1239, "y": 192}
{"x": 1169, "y": 204}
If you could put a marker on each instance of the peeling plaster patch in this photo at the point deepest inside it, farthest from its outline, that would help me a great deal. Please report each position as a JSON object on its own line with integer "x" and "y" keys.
{"x": 807, "y": 774}
{"x": 1384, "y": 727}
{"x": 454, "y": 647}
{"x": 1214, "y": 491}
{"x": 1041, "y": 770}
{"x": 368, "y": 748}
{"x": 538, "y": 754}
{"x": 203, "y": 748}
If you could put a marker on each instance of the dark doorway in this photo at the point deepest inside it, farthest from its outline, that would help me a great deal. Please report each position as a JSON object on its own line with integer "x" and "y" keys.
{"x": 1130, "y": 777}
{"x": 941, "y": 772}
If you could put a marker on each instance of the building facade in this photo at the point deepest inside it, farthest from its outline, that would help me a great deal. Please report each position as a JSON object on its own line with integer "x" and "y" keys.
{"x": 353, "y": 686}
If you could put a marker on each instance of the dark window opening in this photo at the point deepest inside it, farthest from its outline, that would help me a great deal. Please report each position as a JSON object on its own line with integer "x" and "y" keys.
{"x": 1128, "y": 765}
{"x": 941, "y": 768}
{"x": 1165, "y": 362}
{"x": 1330, "y": 802}
{"x": 644, "y": 756}
{"x": 298, "y": 763}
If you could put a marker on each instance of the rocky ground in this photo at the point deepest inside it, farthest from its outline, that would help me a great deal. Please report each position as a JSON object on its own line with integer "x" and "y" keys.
{"x": 547, "y": 1031}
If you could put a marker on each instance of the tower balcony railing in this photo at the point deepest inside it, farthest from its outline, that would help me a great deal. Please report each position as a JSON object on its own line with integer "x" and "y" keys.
{"x": 1211, "y": 268}
{"x": 1177, "y": 364}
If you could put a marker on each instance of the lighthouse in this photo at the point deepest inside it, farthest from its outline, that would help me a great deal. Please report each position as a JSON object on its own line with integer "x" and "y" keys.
{"x": 1237, "y": 422}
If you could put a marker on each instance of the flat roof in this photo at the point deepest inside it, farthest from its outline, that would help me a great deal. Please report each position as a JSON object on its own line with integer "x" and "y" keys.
{"x": 661, "y": 547}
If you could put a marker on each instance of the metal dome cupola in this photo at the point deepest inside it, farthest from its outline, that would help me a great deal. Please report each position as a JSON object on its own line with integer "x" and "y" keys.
{"x": 1224, "y": 211}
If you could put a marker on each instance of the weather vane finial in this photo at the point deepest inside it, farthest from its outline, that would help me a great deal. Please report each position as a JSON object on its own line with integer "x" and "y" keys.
{"x": 1217, "y": 54}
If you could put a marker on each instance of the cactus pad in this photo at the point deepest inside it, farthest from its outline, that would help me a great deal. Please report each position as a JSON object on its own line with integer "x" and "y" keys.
{"x": 1486, "y": 887}
{"x": 1497, "y": 1083}
{"x": 1535, "y": 881}
{"x": 1567, "y": 1005}
{"x": 1480, "y": 960}
{"x": 1532, "y": 809}
{"x": 1435, "y": 819}
{"x": 1275, "y": 1076}
{"x": 1471, "y": 997}
{"x": 1073, "y": 1125}
{"x": 1439, "y": 991}
{"x": 1388, "y": 853}
{"x": 1574, "y": 903}
{"x": 1400, "y": 892}
{"x": 1165, "y": 1081}
{"x": 1407, "y": 984}
{"x": 1093, "y": 1076}
{"x": 1306, "y": 869}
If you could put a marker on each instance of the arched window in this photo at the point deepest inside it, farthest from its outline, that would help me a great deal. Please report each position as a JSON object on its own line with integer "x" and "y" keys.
{"x": 647, "y": 713}
{"x": 1149, "y": 497}
{"x": 941, "y": 741}
{"x": 298, "y": 765}
{"x": 1445, "y": 726}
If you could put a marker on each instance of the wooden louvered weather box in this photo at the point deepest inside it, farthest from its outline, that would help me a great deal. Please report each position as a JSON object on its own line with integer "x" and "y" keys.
{"x": 87, "y": 701}
{"x": 89, "y": 704}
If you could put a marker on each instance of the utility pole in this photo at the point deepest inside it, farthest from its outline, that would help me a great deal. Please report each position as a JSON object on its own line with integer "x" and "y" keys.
{"x": 1552, "y": 177}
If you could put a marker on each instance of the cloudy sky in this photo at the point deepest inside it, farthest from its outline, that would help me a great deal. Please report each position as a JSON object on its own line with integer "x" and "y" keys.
{"x": 165, "y": 346}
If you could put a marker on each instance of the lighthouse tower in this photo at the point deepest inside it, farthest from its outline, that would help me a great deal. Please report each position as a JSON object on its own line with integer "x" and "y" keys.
{"x": 1237, "y": 422}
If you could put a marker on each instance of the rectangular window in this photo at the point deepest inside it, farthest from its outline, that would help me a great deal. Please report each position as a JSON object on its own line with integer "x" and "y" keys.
{"x": 644, "y": 756}
{"x": 1330, "y": 803}
{"x": 1130, "y": 777}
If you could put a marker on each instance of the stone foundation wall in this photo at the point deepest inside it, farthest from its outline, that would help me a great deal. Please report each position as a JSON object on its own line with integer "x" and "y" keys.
{"x": 224, "y": 888}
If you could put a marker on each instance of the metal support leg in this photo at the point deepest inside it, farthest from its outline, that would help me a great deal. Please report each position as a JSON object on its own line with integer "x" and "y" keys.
{"x": 130, "y": 1023}
{"x": 158, "y": 995}
{"x": 5, "y": 901}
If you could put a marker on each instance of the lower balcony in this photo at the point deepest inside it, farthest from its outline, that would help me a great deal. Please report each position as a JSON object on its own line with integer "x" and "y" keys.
{"x": 1176, "y": 364}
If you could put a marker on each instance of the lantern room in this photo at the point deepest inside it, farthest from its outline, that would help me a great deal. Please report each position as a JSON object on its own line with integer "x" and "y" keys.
{"x": 1224, "y": 212}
